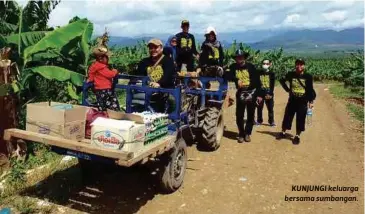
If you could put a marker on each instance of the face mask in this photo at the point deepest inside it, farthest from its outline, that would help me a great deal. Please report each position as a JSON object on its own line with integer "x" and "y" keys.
{"x": 265, "y": 67}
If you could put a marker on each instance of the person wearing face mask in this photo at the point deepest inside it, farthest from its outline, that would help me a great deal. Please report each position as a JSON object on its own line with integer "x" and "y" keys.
{"x": 212, "y": 55}
{"x": 301, "y": 97}
{"x": 102, "y": 77}
{"x": 186, "y": 48}
{"x": 248, "y": 94}
{"x": 161, "y": 71}
{"x": 267, "y": 79}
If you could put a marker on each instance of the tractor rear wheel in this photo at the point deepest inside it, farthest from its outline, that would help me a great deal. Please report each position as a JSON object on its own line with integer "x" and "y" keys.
{"x": 211, "y": 130}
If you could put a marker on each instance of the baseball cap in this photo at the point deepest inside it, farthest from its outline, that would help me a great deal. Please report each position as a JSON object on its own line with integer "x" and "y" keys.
{"x": 185, "y": 22}
{"x": 155, "y": 41}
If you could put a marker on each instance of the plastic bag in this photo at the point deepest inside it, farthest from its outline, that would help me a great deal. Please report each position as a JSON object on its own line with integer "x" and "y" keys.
{"x": 91, "y": 115}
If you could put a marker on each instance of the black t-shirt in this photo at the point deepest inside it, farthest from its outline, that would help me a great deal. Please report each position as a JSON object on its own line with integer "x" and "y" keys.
{"x": 185, "y": 47}
{"x": 211, "y": 55}
{"x": 247, "y": 74}
{"x": 267, "y": 80}
{"x": 164, "y": 73}
{"x": 300, "y": 86}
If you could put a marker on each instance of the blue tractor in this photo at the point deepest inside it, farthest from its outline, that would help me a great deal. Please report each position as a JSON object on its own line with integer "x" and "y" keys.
{"x": 200, "y": 110}
{"x": 195, "y": 110}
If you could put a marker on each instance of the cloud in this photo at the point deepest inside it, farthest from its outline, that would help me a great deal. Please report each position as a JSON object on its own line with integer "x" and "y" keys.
{"x": 335, "y": 16}
{"x": 136, "y": 18}
{"x": 292, "y": 18}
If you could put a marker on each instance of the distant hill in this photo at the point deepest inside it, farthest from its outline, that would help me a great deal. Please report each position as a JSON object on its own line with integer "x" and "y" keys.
{"x": 298, "y": 40}
{"x": 314, "y": 40}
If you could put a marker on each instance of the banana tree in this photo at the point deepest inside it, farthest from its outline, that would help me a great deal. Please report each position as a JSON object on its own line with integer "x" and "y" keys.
{"x": 60, "y": 55}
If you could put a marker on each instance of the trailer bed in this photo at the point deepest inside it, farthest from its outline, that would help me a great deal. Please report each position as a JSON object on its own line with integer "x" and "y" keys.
{"x": 121, "y": 158}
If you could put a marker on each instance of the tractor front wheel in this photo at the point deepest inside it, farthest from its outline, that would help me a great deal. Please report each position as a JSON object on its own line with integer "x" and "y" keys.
{"x": 174, "y": 166}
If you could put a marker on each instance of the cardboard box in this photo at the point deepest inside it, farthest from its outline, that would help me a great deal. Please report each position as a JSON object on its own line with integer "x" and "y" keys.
{"x": 123, "y": 135}
{"x": 117, "y": 115}
{"x": 67, "y": 123}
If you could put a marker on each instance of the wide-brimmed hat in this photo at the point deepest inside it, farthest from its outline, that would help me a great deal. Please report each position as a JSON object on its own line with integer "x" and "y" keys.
{"x": 101, "y": 51}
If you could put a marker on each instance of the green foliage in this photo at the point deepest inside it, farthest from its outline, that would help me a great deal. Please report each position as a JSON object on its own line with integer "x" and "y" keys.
{"x": 74, "y": 19}
{"x": 356, "y": 111}
{"x": 85, "y": 39}
{"x": 350, "y": 94}
{"x": 126, "y": 59}
{"x": 27, "y": 39}
{"x": 9, "y": 16}
{"x": 17, "y": 176}
{"x": 59, "y": 38}
{"x": 57, "y": 73}
{"x": 36, "y": 15}
{"x": 25, "y": 206}
{"x": 340, "y": 91}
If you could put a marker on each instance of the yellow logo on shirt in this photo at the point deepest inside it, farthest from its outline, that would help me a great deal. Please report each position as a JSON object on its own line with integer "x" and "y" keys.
{"x": 297, "y": 89}
{"x": 265, "y": 81}
{"x": 155, "y": 74}
{"x": 186, "y": 43}
{"x": 216, "y": 53}
{"x": 244, "y": 76}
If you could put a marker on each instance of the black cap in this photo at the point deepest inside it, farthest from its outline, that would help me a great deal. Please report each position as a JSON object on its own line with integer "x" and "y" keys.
{"x": 242, "y": 53}
{"x": 300, "y": 61}
{"x": 185, "y": 22}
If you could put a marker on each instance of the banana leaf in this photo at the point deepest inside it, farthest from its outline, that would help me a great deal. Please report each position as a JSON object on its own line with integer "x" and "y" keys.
{"x": 46, "y": 55}
{"x": 85, "y": 39}
{"x": 57, "y": 38}
{"x": 27, "y": 38}
{"x": 72, "y": 92}
{"x": 56, "y": 73}
{"x": 6, "y": 28}
{"x": 2, "y": 41}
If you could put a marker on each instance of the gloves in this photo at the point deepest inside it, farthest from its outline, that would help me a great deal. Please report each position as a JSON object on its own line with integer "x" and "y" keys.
{"x": 154, "y": 85}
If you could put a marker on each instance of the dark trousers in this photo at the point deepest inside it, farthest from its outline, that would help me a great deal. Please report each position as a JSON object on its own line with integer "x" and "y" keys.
{"x": 298, "y": 107}
{"x": 270, "y": 108}
{"x": 240, "y": 112}
{"x": 189, "y": 61}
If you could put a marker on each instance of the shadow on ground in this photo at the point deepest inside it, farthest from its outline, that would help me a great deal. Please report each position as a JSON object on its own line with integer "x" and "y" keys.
{"x": 111, "y": 189}
{"x": 275, "y": 134}
{"x": 230, "y": 135}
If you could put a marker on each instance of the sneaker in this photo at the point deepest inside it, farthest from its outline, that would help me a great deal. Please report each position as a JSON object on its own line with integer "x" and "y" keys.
{"x": 258, "y": 123}
{"x": 280, "y": 136}
{"x": 247, "y": 138}
{"x": 240, "y": 140}
{"x": 272, "y": 124}
{"x": 296, "y": 140}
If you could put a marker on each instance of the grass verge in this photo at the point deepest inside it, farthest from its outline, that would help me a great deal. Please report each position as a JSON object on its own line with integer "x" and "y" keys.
{"x": 350, "y": 94}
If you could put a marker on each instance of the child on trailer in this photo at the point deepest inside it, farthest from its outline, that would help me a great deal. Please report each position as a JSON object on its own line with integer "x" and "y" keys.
{"x": 102, "y": 77}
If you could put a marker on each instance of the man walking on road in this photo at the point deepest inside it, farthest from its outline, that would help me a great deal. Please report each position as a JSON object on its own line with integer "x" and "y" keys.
{"x": 248, "y": 93}
{"x": 301, "y": 97}
{"x": 186, "y": 48}
{"x": 267, "y": 79}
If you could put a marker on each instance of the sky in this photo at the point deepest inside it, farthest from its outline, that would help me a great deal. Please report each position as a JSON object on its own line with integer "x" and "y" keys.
{"x": 141, "y": 18}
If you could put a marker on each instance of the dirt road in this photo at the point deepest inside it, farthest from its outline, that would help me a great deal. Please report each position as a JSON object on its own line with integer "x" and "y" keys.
{"x": 238, "y": 178}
